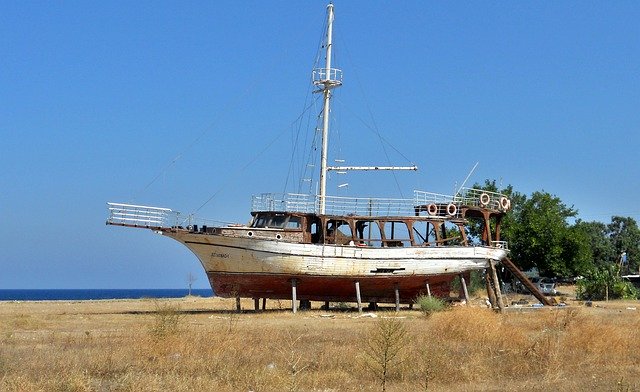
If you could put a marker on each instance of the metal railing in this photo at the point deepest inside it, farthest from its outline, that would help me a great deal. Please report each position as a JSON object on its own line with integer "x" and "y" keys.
{"x": 481, "y": 198}
{"x": 500, "y": 245}
{"x": 368, "y": 206}
{"x": 327, "y": 76}
{"x": 144, "y": 216}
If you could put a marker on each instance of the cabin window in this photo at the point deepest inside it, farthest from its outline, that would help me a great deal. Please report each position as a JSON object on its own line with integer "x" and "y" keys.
{"x": 452, "y": 234}
{"x": 424, "y": 233}
{"x": 396, "y": 234}
{"x": 277, "y": 222}
{"x": 260, "y": 221}
{"x": 368, "y": 234}
{"x": 294, "y": 223}
{"x": 338, "y": 232}
{"x": 315, "y": 234}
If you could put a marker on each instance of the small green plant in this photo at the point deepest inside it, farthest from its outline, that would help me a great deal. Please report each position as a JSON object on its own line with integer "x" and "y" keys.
{"x": 166, "y": 320}
{"x": 429, "y": 305}
{"x": 384, "y": 348}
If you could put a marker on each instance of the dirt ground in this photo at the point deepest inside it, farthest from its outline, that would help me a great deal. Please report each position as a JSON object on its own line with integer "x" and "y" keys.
{"x": 115, "y": 345}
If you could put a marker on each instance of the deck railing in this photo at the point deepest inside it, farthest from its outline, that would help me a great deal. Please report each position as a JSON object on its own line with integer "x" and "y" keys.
{"x": 141, "y": 216}
{"x": 368, "y": 206}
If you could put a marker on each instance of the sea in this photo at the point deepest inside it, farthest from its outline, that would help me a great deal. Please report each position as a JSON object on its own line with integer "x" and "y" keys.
{"x": 96, "y": 294}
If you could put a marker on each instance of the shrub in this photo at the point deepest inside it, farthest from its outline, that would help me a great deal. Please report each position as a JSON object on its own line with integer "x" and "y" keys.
{"x": 384, "y": 348}
{"x": 605, "y": 283}
{"x": 166, "y": 320}
{"x": 430, "y": 304}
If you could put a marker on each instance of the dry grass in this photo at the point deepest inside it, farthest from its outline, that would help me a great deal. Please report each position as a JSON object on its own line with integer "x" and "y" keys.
{"x": 116, "y": 346}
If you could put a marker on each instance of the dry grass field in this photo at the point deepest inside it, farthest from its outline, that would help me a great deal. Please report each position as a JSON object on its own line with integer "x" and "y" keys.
{"x": 201, "y": 344}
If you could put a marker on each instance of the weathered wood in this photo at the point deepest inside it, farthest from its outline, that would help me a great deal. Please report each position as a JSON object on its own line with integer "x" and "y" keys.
{"x": 508, "y": 264}
{"x": 294, "y": 295}
{"x": 256, "y": 304}
{"x": 428, "y": 290}
{"x": 358, "y": 298}
{"x": 488, "y": 279}
{"x": 464, "y": 288}
{"x": 496, "y": 286}
{"x": 264, "y": 303}
{"x": 238, "y": 305}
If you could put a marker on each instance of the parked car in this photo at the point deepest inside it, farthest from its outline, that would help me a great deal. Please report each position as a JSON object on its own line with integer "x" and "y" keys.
{"x": 546, "y": 285}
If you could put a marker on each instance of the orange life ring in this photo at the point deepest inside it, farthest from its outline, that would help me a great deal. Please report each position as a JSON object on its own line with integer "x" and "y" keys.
{"x": 432, "y": 209}
{"x": 452, "y": 209}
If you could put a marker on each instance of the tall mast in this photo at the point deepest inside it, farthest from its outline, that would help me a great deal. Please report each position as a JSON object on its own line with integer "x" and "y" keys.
{"x": 327, "y": 78}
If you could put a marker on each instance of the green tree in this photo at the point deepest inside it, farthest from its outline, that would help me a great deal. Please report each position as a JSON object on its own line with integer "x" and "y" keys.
{"x": 597, "y": 237}
{"x": 625, "y": 237}
{"x": 577, "y": 252}
{"x": 539, "y": 232}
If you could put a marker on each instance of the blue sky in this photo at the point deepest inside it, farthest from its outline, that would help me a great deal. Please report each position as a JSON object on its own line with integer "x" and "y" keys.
{"x": 98, "y": 99}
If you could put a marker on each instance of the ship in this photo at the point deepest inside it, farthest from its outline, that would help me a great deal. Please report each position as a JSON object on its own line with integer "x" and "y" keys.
{"x": 319, "y": 247}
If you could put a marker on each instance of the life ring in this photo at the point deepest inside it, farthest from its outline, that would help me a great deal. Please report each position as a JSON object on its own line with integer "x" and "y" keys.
{"x": 484, "y": 199}
{"x": 452, "y": 209}
{"x": 504, "y": 203}
{"x": 432, "y": 209}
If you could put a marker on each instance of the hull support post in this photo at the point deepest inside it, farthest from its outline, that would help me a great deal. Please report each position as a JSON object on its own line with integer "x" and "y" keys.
{"x": 397, "y": 290}
{"x": 294, "y": 299}
{"x": 464, "y": 289}
{"x": 358, "y": 298}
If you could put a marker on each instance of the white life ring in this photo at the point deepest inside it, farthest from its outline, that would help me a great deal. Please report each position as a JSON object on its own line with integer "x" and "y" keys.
{"x": 504, "y": 203}
{"x": 432, "y": 209}
{"x": 484, "y": 199}
{"x": 452, "y": 209}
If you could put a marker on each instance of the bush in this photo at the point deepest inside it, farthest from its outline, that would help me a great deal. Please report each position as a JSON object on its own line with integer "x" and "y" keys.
{"x": 166, "y": 320}
{"x": 430, "y": 304}
{"x": 605, "y": 283}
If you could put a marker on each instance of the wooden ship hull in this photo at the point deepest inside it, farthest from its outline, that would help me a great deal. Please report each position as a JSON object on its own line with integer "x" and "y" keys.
{"x": 243, "y": 266}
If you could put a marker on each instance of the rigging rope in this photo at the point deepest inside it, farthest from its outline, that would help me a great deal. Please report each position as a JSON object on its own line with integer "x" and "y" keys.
{"x": 375, "y": 129}
{"x": 255, "y": 158}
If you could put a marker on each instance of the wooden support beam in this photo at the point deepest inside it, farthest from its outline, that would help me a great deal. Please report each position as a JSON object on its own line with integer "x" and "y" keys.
{"x": 496, "y": 286}
{"x": 326, "y": 305}
{"x": 428, "y": 290}
{"x": 358, "y": 298}
{"x": 488, "y": 280}
{"x": 294, "y": 294}
{"x": 264, "y": 303}
{"x": 464, "y": 288}
{"x": 238, "y": 306}
{"x": 256, "y": 304}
